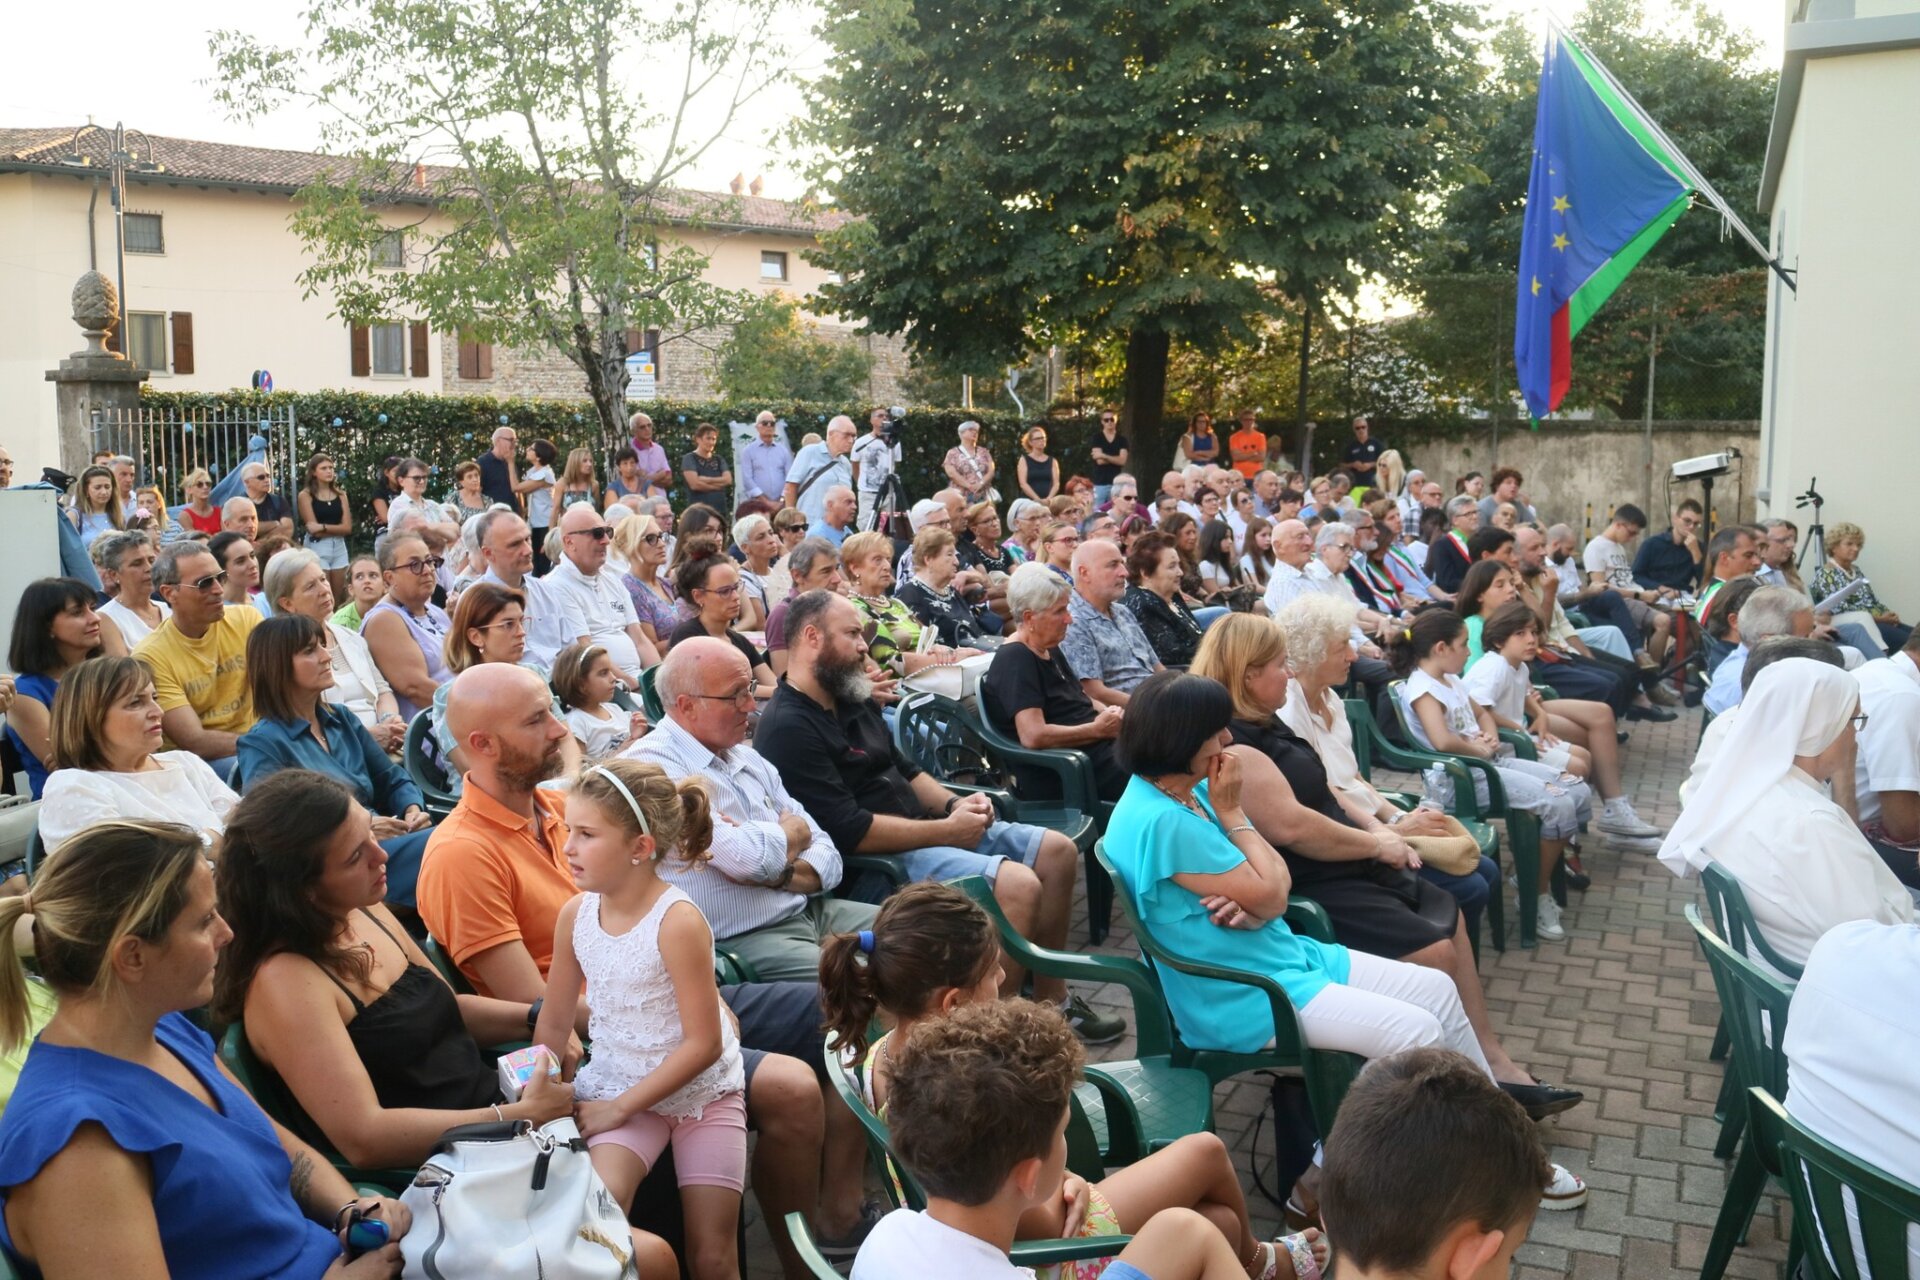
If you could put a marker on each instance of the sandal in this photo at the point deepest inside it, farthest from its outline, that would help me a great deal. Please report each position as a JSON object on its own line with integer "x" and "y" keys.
{"x": 1298, "y": 1249}
{"x": 1297, "y": 1218}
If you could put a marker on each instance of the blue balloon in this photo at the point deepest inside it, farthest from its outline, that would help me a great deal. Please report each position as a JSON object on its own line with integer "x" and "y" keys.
{"x": 338, "y": 423}
{"x": 383, "y": 419}
{"x": 683, "y": 417}
{"x": 186, "y": 428}
{"x": 433, "y": 471}
{"x": 469, "y": 435}
{"x": 265, "y": 425}
{"x": 503, "y": 419}
{"x": 576, "y": 417}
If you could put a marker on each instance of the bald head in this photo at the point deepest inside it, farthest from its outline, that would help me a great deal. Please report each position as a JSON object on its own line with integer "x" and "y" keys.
{"x": 587, "y": 550}
{"x": 840, "y": 433}
{"x": 1292, "y": 543}
{"x": 501, "y": 715}
{"x": 699, "y": 682}
{"x": 1100, "y": 572}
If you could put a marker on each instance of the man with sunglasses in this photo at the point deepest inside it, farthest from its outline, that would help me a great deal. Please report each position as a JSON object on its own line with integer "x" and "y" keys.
{"x": 579, "y": 580}
{"x": 506, "y": 549}
{"x": 199, "y": 657}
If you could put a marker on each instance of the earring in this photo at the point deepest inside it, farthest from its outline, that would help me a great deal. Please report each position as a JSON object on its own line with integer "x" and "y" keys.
{"x": 635, "y": 861}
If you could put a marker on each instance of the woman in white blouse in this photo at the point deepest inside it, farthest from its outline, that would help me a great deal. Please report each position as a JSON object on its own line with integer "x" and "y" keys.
{"x": 126, "y": 561}
{"x": 296, "y": 582}
{"x": 107, "y": 762}
{"x": 1764, "y": 813}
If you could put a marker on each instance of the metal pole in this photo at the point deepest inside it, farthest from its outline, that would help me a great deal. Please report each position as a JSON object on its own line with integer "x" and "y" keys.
{"x": 966, "y": 391}
{"x": 1300, "y": 406}
{"x": 1653, "y": 355}
{"x": 117, "y": 191}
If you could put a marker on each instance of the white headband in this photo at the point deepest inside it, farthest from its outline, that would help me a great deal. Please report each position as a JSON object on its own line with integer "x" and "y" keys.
{"x": 621, "y": 787}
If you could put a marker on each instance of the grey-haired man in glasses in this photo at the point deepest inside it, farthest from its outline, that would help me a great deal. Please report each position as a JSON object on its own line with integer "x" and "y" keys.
{"x": 506, "y": 548}
{"x": 580, "y": 580}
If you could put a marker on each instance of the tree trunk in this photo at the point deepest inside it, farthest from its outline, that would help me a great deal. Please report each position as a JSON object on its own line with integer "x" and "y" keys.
{"x": 1143, "y": 417}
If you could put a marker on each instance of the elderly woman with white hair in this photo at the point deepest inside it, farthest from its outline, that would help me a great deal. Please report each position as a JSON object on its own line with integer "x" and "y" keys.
{"x": 1027, "y": 518}
{"x": 760, "y": 587}
{"x": 1030, "y": 689}
{"x": 969, "y": 466}
{"x": 1763, "y": 812}
{"x": 297, "y": 583}
{"x": 1320, "y": 657}
{"x": 126, "y": 566}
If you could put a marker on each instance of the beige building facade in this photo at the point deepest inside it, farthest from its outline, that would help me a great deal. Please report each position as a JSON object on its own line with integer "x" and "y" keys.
{"x": 213, "y": 292}
{"x": 1842, "y": 181}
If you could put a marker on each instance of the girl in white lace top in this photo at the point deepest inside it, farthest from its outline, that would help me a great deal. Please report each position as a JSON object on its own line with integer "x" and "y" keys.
{"x": 666, "y": 1063}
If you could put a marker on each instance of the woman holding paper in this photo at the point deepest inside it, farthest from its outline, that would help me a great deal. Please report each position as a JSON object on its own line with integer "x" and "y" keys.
{"x": 1845, "y": 541}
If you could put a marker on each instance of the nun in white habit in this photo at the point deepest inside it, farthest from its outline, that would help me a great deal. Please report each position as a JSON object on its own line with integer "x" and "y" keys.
{"x": 1763, "y": 813}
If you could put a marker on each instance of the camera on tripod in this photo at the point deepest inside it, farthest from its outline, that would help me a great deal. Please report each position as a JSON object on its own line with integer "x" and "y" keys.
{"x": 1812, "y": 495}
{"x": 896, "y": 425}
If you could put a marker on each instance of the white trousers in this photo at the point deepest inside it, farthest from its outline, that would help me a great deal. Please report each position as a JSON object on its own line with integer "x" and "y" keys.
{"x": 1386, "y": 1006}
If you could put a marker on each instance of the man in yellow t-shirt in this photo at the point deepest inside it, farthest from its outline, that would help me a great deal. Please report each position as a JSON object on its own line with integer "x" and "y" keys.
{"x": 199, "y": 655}
{"x": 1248, "y": 445}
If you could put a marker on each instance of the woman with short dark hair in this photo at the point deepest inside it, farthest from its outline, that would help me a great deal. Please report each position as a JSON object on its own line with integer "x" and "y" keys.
{"x": 1154, "y": 568}
{"x": 290, "y": 670}
{"x": 54, "y": 629}
{"x": 709, "y": 581}
{"x": 1213, "y": 889}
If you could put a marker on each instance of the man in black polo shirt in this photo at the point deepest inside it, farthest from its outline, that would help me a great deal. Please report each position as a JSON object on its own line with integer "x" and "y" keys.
{"x": 1363, "y": 452}
{"x": 826, "y": 736}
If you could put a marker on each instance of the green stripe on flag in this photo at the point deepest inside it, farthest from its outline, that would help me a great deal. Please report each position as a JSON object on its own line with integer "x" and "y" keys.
{"x": 1629, "y": 118}
{"x": 1599, "y": 286}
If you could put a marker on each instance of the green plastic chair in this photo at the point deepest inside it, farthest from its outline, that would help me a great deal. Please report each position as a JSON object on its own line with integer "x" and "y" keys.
{"x": 1754, "y": 1006}
{"x": 36, "y": 854}
{"x": 650, "y": 696}
{"x": 1370, "y": 744}
{"x": 1083, "y": 1158}
{"x": 934, "y": 732}
{"x": 1733, "y": 920}
{"x": 1821, "y": 1178}
{"x": 260, "y": 1080}
{"x": 801, "y": 1235}
{"x": 1523, "y": 829}
{"x": 1327, "y": 1073}
{"x": 1149, "y": 1101}
{"x": 426, "y": 775}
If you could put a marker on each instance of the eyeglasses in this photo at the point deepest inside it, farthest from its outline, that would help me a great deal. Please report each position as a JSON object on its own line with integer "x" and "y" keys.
{"x": 651, "y": 539}
{"x": 1860, "y": 722}
{"x": 722, "y": 591}
{"x": 212, "y": 582}
{"x": 418, "y": 475}
{"x": 599, "y": 533}
{"x": 742, "y": 697}
{"x": 511, "y": 624}
{"x": 422, "y": 567}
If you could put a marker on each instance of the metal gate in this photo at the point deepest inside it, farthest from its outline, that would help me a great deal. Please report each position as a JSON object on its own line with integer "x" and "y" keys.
{"x": 167, "y": 446}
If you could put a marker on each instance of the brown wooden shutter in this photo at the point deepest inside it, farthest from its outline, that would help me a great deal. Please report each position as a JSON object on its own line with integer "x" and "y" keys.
{"x": 636, "y": 341}
{"x": 183, "y": 342}
{"x": 362, "y": 351}
{"x": 476, "y": 359}
{"x": 418, "y": 333}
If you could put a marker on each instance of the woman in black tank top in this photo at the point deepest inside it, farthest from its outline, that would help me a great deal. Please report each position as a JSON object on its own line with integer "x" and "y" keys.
{"x": 377, "y": 1053}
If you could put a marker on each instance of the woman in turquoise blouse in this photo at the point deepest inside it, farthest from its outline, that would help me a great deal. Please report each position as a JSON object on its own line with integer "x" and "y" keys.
{"x": 1214, "y": 891}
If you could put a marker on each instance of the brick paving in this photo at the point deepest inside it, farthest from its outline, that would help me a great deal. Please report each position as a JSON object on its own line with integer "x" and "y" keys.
{"x": 1622, "y": 1009}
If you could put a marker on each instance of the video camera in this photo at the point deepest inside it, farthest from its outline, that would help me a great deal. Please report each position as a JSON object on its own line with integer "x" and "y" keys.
{"x": 896, "y": 426}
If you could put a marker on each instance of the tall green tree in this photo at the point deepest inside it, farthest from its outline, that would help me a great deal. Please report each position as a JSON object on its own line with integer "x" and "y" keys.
{"x": 1029, "y": 171}
{"x": 548, "y": 170}
{"x": 1698, "y": 76}
{"x": 775, "y": 354}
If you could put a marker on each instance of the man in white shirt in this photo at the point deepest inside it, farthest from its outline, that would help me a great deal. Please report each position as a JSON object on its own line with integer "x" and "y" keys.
{"x": 874, "y": 459}
{"x": 1608, "y": 566}
{"x": 1886, "y": 784}
{"x": 766, "y": 889}
{"x": 506, "y": 549}
{"x": 1853, "y": 1035}
{"x": 597, "y": 597}
{"x": 818, "y": 467}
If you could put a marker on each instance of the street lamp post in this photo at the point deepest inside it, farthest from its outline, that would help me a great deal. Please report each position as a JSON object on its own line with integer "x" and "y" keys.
{"x": 120, "y": 161}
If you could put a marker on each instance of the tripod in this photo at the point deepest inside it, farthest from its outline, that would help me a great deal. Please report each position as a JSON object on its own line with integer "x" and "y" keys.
{"x": 1816, "y": 532}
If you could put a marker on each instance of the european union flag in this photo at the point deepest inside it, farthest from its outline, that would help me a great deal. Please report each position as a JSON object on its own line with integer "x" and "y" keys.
{"x": 1604, "y": 188}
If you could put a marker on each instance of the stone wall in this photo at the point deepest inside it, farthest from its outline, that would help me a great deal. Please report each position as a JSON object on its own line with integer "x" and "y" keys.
{"x": 1578, "y": 472}
{"x": 689, "y": 368}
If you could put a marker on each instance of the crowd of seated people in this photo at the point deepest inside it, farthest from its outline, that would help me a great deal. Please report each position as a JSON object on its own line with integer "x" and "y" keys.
{"x": 1196, "y": 648}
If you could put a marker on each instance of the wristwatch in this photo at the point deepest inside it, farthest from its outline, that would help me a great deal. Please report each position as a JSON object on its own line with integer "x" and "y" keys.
{"x": 952, "y": 801}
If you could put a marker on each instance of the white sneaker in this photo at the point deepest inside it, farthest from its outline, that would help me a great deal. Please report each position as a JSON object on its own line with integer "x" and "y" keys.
{"x": 1566, "y": 1191}
{"x": 1622, "y": 821}
{"x": 1546, "y": 921}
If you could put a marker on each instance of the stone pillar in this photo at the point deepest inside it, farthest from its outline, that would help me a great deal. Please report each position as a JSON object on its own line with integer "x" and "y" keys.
{"x": 93, "y": 378}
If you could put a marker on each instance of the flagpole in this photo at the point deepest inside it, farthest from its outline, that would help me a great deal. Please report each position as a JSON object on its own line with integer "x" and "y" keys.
{"x": 1687, "y": 167}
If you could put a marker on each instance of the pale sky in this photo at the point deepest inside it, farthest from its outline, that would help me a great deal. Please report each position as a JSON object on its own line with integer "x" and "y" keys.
{"x": 151, "y": 77}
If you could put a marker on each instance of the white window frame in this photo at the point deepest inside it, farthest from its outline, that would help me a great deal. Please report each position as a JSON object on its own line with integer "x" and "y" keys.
{"x": 783, "y": 265}
{"x": 401, "y": 347}
{"x": 396, "y": 237}
{"x": 163, "y": 366}
{"x": 160, "y": 224}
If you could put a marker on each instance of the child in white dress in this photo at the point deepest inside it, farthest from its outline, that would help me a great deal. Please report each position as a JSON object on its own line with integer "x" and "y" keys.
{"x": 666, "y": 1065}
{"x": 584, "y": 677}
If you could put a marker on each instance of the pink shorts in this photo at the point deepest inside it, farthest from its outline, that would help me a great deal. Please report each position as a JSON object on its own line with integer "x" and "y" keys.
{"x": 708, "y": 1152}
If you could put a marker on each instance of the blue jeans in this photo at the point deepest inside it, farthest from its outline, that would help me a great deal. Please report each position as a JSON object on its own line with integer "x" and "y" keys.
{"x": 1102, "y": 494}
{"x": 1471, "y": 891}
{"x": 1002, "y": 841}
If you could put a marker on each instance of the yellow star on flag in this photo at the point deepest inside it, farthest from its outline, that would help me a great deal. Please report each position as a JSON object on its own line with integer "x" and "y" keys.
{"x": 1561, "y": 204}
{"x": 1561, "y": 243}
{"x": 1536, "y": 285}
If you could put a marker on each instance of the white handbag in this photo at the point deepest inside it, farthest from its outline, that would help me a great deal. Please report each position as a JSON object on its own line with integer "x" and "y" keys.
{"x": 956, "y": 681}
{"x": 505, "y": 1201}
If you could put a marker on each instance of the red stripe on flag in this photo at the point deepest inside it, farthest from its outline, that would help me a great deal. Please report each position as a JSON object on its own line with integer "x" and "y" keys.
{"x": 1562, "y": 377}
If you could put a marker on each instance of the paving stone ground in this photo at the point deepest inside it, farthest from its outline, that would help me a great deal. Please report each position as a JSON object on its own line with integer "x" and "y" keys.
{"x": 1622, "y": 1009}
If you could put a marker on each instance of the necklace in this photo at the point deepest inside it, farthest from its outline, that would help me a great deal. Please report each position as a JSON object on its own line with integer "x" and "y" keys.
{"x": 1185, "y": 802}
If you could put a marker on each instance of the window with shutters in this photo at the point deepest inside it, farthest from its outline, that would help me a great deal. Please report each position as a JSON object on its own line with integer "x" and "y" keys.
{"x": 476, "y": 358}
{"x": 390, "y": 250}
{"x": 147, "y": 340}
{"x": 144, "y": 233}
{"x": 389, "y": 349}
{"x": 773, "y": 264}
